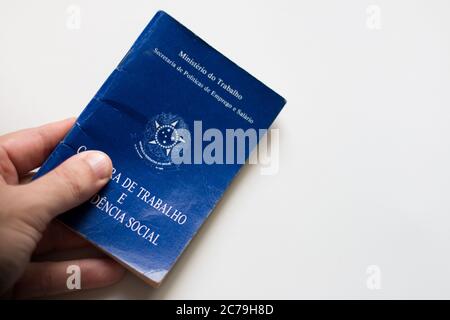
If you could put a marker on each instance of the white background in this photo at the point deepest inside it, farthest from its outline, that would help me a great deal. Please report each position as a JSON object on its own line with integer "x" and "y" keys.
{"x": 364, "y": 176}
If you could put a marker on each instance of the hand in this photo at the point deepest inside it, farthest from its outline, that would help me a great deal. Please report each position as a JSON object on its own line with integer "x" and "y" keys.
{"x": 27, "y": 210}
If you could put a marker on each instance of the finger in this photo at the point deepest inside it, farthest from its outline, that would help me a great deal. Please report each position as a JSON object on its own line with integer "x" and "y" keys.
{"x": 49, "y": 278}
{"x": 25, "y": 150}
{"x": 59, "y": 237}
{"x": 65, "y": 187}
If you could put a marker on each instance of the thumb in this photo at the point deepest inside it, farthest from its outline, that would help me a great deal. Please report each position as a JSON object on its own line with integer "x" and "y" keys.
{"x": 68, "y": 185}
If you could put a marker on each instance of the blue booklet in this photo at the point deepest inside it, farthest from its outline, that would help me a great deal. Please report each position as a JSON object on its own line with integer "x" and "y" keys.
{"x": 178, "y": 120}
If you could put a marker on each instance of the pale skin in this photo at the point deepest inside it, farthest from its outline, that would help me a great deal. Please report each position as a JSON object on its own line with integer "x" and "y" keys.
{"x": 28, "y": 210}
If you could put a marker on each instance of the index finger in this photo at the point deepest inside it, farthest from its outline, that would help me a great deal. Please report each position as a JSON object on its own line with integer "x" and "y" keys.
{"x": 27, "y": 149}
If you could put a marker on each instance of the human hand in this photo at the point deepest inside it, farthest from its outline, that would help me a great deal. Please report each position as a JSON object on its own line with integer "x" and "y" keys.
{"x": 28, "y": 208}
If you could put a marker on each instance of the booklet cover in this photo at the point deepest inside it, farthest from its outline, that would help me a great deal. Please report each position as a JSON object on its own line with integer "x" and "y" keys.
{"x": 178, "y": 119}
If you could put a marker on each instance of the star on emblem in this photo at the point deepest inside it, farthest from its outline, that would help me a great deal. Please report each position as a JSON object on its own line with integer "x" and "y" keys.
{"x": 166, "y": 136}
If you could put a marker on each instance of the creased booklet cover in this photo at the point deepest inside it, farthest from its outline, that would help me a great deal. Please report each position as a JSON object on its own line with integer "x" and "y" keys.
{"x": 170, "y": 116}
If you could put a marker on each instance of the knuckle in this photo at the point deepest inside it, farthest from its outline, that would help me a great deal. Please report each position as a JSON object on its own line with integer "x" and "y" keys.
{"x": 29, "y": 210}
{"x": 7, "y": 169}
{"x": 72, "y": 181}
{"x": 46, "y": 282}
{"x": 42, "y": 143}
